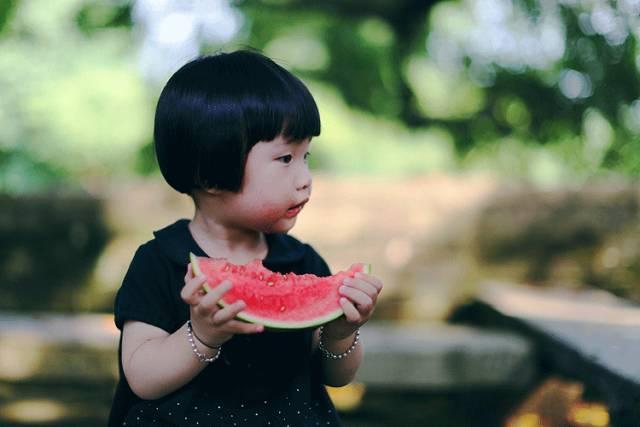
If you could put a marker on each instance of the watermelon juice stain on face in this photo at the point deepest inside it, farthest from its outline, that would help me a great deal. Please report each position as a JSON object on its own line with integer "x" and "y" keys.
{"x": 273, "y": 219}
{"x": 276, "y": 186}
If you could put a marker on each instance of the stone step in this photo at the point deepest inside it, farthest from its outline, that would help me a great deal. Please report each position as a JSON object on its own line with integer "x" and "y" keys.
{"x": 58, "y": 348}
{"x": 587, "y": 335}
{"x": 82, "y": 348}
{"x": 444, "y": 357}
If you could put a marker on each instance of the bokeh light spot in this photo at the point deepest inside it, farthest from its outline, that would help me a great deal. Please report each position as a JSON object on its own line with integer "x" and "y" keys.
{"x": 33, "y": 411}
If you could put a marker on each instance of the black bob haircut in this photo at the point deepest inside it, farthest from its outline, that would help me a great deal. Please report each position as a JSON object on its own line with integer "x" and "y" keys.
{"x": 214, "y": 109}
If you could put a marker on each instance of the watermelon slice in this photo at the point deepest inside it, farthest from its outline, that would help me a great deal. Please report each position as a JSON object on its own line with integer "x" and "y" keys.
{"x": 281, "y": 301}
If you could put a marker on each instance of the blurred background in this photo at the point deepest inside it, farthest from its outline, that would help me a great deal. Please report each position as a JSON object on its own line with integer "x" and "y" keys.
{"x": 464, "y": 142}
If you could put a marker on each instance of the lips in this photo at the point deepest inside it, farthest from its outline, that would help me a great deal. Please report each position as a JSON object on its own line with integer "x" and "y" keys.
{"x": 295, "y": 210}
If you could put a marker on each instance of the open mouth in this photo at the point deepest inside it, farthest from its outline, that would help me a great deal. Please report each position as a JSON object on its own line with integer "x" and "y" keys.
{"x": 295, "y": 210}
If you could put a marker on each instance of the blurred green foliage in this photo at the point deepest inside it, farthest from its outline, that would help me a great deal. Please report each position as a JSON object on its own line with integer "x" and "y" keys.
{"x": 73, "y": 107}
{"x": 543, "y": 91}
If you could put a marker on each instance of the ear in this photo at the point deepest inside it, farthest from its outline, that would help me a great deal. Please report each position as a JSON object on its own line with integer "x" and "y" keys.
{"x": 212, "y": 191}
{"x": 205, "y": 193}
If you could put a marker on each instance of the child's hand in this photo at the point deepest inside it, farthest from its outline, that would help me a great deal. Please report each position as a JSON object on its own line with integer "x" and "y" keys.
{"x": 359, "y": 297}
{"x": 211, "y": 323}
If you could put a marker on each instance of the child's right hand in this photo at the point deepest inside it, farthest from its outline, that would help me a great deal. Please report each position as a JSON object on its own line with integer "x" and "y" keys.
{"x": 211, "y": 323}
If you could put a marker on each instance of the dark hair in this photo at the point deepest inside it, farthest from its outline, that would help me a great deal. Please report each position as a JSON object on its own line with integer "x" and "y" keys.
{"x": 215, "y": 108}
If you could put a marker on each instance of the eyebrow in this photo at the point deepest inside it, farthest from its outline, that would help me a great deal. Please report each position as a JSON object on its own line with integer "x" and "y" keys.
{"x": 296, "y": 141}
{"x": 287, "y": 143}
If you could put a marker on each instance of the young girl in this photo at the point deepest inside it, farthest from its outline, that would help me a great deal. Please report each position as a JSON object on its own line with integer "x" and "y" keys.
{"x": 233, "y": 132}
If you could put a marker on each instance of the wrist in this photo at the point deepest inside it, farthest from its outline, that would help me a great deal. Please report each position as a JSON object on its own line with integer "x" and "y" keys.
{"x": 212, "y": 353}
{"x": 337, "y": 348}
{"x": 337, "y": 344}
{"x": 203, "y": 342}
{"x": 336, "y": 334}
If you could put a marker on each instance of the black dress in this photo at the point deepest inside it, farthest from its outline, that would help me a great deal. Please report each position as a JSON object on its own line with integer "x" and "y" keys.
{"x": 266, "y": 379}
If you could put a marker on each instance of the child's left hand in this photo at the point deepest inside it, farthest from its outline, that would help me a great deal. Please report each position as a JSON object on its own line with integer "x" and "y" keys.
{"x": 359, "y": 297}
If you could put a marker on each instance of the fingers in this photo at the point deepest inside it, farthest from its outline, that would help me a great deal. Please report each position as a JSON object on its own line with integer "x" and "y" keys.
{"x": 360, "y": 295}
{"x": 225, "y": 318}
{"x": 362, "y": 290}
{"x": 189, "y": 273}
{"x": 191, "y": 292}
{"x": 210, "y": 300}
{"x": 372, "y": 280}
{"x": 351, "y": 313}
{"x": 357, "y": 296}
{"x": 363, "y": 286}
{"x": 228, "y": 313}
{"x": 239, "y": 327}
{"x": 218, "y": 324}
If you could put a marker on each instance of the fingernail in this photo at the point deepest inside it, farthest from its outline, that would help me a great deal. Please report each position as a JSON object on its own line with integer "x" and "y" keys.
{"x": 347, "y": 281}
{"x": 341, "y": 289}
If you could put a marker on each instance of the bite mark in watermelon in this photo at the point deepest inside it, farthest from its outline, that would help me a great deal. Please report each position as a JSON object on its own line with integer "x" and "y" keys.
{"x": 275, "y": 300}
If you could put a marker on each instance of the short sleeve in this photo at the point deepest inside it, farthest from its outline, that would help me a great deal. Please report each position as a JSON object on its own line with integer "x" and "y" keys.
{"x": 146, "y": 293}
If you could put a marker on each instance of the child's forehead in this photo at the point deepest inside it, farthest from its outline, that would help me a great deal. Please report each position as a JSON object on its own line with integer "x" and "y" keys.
{"x": 281, "y": 140}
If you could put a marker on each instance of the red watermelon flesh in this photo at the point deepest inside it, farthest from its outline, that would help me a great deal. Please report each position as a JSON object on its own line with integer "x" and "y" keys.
{"x": 275, "y": 300}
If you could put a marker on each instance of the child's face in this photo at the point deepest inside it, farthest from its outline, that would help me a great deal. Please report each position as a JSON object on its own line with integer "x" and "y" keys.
{"x": 276, "y": 185}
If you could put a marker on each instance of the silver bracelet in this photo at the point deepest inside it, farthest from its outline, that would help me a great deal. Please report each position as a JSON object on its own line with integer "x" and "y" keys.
{"x": 213, "y": 347}
{"x": 334, "y": 356}
{"x": 201, "y": 356}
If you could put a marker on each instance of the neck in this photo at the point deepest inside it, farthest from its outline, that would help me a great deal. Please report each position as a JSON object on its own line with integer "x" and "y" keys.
{"x": 239, "y": 246}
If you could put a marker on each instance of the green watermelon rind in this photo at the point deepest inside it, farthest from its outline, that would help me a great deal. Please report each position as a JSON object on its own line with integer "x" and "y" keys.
{"x": 275, "y": 324}
{"x": 271, "y": 323}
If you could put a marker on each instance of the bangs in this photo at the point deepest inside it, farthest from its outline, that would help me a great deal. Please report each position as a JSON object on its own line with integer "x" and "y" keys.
{"x": 278, "y": 103}
{"x": 216, "y": 108}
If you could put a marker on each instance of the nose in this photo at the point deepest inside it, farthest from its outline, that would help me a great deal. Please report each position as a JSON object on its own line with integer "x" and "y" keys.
{"x": 304, "y": 179}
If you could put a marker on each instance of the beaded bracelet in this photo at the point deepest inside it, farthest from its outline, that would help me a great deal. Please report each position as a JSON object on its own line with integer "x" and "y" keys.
{"x": 201, "y": 356}
{"x": 333, "y": 356}
{"x": 213, "y": 347}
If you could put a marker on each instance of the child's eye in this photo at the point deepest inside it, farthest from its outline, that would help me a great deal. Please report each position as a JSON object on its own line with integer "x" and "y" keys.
{"x": 306, "y": 155}
{"x": 285, "y": 159}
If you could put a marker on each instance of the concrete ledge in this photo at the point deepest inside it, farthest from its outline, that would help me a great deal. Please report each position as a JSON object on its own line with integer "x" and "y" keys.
{"x": 53, "y": 347}
{"x": 82, "y": 348}
{"x": 444, "y": 356}
{"x": 589, "y": 336}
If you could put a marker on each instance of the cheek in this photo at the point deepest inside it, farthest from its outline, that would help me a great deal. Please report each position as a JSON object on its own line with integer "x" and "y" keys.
{"x": 265, "y": 208}
{"x": 265, "y": 216}
{"x": 264, "y": 201}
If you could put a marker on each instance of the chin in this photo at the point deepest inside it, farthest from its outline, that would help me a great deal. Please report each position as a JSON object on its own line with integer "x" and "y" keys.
{"x": 282, "y": 226}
